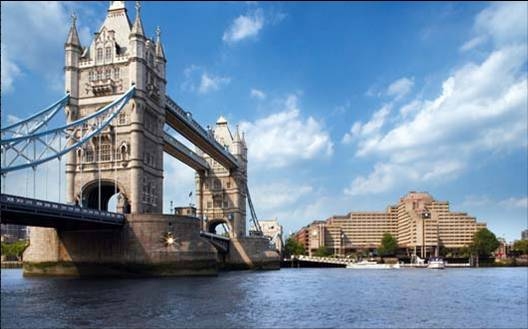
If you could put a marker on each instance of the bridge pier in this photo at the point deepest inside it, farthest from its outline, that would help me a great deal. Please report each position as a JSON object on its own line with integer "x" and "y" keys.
{"x": 141, "y": 248}
{"x": 250, "y": 253}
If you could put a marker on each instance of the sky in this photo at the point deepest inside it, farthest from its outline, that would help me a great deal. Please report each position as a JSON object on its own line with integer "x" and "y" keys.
{"x": 345, "y": 106}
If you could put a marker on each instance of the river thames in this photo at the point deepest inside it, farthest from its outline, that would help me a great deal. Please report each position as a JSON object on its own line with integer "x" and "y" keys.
{"x": 289, "y": 298}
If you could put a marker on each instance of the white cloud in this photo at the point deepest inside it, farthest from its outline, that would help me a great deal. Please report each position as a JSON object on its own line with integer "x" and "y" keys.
{"x": 9, "y": 72}
{"x": 259, "y": 94}
{"x": 372, "y": 127}
{"x": 11, "y": 119}
{"x": 515, "y": 202}
{"x": 505, "y": 22}
{"x": 275, "y": 195}
{"x": 244, "y": 26}
{"x": 482, "y": 108}
{"x": 473, "y": 43}
{"x": 283, "y": 138}
{"x": 400, "y": 87}
{"x": 38, "y": 31}
{"x": 197, "y": 79}
{"x": 178, "y": 181}
{"x": 211, "y": 83}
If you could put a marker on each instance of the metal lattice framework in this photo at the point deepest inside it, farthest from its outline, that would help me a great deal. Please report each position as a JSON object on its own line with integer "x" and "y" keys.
{"x": 33, "y": 148}
{"x": 32, "y": 124}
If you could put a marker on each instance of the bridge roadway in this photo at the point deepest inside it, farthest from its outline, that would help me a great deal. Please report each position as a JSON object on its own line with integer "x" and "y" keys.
{"x": 32, "y": 212}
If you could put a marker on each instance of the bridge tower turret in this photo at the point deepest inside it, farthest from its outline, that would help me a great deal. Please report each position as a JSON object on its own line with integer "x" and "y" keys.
{"x": 222, "y": 193}
{"x": 127, "y": 157}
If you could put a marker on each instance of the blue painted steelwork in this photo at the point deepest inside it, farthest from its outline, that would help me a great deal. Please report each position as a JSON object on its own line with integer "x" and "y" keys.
{"x": 32, "y": 212}
{"x": 38, "y": 120}
{"x": 48, "y": 139}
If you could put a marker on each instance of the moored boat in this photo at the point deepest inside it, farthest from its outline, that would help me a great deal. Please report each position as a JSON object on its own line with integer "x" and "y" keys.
{"x": 365, "y": 264}
{"x": 436, "y": 263}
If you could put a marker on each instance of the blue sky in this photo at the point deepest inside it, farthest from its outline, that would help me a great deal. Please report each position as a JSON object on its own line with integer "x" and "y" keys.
{"x": 345, "y": 106}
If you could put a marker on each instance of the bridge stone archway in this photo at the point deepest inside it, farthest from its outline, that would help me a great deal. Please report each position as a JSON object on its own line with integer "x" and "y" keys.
{"x": 107, "y": 189}
{"x": 213, "y": 224}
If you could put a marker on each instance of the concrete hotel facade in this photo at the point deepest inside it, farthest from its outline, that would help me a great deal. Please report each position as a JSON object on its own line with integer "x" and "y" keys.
{"x": 419, "y": 223}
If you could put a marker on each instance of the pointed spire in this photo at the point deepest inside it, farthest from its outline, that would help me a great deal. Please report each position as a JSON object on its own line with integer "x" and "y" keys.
{"x": 237, "y": 138}
{"x": 137, "y": 28}
{"x": 160, "y": 53}
{"x": 73, "y": 37}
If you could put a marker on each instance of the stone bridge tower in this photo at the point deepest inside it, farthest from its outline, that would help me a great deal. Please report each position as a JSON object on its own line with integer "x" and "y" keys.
{"x": 127, "y": 158}
{"x": 221, "y": 193}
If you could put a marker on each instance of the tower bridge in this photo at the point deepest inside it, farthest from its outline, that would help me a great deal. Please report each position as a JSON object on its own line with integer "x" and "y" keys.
{"x": 113, "y": 141}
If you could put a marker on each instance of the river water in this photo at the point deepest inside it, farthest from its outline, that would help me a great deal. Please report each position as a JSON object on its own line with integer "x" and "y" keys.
{"x": 289, "y": 298}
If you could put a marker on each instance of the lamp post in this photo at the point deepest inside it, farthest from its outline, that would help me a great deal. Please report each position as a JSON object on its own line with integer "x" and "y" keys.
{"x": 425, "y": 215}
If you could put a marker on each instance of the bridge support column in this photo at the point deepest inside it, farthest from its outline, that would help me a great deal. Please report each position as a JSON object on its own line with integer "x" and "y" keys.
{"x": 251, "y": 253}
{"x": 147, "y": 245}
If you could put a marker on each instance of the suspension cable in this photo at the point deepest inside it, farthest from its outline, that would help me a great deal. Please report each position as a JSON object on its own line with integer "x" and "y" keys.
{"x": 99, "y": 169}
{"x": 34, "y": 169}
{"x": 115, "y": 161}
{"x": 81, "y": 169}
{"x": 47, "y": 167}
{"x": 60, "y": 171}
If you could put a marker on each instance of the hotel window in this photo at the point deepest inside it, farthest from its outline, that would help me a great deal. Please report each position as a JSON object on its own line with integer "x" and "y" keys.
{"x": 108, "y": 53}
{"x": 107, "y": 74}
{"x": 91, "y": 76}
{"x": 99, "y": 75}
{"x": 116, "y": 73}
{"x": 99, "y": 54}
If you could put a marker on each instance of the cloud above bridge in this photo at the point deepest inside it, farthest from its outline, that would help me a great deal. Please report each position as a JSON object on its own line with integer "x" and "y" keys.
{"x": 285, "y": 138}
{"x": 480, "y": 109}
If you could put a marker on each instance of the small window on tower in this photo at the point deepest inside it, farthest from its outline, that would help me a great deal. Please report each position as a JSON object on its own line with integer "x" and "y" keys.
{"x": 108, "y": 53}
{"x": 100, "y": 54}
{"x": 122, "y": 118}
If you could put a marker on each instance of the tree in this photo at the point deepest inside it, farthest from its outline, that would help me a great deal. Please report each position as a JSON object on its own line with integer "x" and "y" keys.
{"x": 388, "y": 246}
{"x": 484, "y": 243}
{"x": 521, "y": 246}
{"x": 293, "y": 247}
{"x": 322, "y": 251}
{"x": 15, "y": 249}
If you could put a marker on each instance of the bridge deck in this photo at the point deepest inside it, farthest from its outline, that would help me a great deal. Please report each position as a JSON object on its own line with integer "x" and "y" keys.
{"x": 181, "y": 152}
{"x": 32, "y": 212}
{"x": 183, "y": 122}
{"x": 221, "y": 243}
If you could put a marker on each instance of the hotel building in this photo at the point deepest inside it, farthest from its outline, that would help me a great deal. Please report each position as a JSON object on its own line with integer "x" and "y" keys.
{"x": 418, "y": 222}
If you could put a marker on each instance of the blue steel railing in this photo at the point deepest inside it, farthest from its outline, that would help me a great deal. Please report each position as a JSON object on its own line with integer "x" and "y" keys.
{"x": 59, "y": 209}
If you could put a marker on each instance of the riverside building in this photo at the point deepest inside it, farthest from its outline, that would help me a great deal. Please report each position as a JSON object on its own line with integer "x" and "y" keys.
{"x": 420, "y": 224}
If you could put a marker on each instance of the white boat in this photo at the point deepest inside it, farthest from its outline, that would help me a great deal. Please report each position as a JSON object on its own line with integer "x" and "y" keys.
{"x": 365, "y": 264}
{"x": 436, "y": 263}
